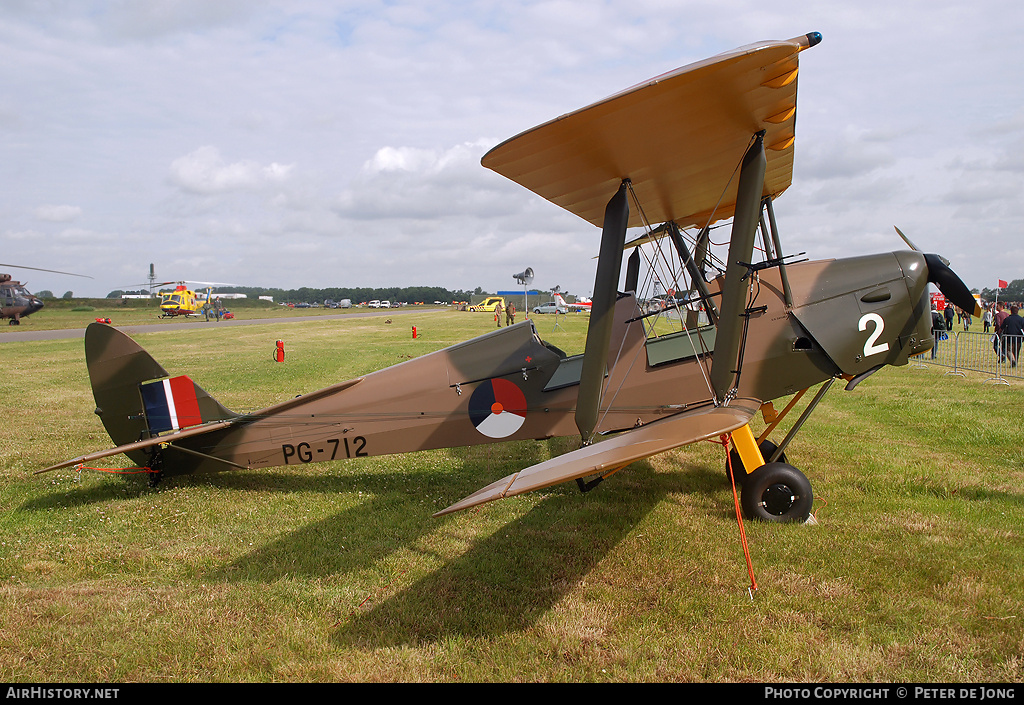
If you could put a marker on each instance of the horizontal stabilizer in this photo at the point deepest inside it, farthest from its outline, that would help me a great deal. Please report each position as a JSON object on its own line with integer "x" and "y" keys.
{"x": 142, "y": 445}
{"x": 616, "y": 452}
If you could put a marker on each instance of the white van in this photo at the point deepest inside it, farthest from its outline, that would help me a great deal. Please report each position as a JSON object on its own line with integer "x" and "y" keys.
{"x": 374, "y": 304}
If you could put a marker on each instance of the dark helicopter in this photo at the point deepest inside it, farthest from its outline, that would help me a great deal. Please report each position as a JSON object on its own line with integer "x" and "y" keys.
{"x": 16, "y": 301}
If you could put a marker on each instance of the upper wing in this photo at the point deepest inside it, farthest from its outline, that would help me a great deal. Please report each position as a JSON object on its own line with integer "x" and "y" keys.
{"x": 678, "y": 138}
{"x": 679, "y": 430}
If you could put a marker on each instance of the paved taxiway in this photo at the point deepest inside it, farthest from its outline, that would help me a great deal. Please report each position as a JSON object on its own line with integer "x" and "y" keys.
{"x": 25, "y": 335}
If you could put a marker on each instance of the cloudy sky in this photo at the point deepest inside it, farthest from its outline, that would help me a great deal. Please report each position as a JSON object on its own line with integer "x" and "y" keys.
{"x": 326, "y": 143}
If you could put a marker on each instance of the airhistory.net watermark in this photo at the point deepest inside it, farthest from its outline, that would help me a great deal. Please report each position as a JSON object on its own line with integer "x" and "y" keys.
{"x": 54, "y": 693}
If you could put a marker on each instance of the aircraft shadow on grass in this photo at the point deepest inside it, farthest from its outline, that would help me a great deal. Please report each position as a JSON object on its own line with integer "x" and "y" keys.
{"x": 545, "y": 554}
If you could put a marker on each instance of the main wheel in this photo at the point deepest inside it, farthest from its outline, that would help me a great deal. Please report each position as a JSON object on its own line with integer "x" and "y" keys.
{"x": 777, "y": 492}
{"x": 766, "y": 447}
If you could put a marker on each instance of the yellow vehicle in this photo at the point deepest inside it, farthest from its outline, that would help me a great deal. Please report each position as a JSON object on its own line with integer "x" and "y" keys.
{"x": 489, "y": 304}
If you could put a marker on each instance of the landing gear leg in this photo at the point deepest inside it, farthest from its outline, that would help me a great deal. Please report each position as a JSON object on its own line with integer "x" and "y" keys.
{"x": 156, "y": 466}
{"x": 775, "y": 491}
{"x": 735, "y": 462}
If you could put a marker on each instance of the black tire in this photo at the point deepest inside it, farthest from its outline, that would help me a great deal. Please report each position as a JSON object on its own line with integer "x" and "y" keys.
{"x": 766, "y": 447}
{"x": 778, "y": 493}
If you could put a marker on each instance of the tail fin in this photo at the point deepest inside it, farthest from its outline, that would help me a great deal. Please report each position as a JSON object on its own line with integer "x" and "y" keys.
{"x": 134, "y": 397}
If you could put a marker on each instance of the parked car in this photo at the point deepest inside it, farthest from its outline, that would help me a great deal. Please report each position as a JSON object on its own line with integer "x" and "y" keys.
{"x": 550, "y": 307}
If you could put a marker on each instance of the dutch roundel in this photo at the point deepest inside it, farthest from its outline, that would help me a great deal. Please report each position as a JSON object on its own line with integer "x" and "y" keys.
{"x": 497, "y": 408}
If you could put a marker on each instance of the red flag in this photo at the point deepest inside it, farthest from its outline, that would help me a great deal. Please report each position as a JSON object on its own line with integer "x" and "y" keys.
{"x": 1002, "y": 284}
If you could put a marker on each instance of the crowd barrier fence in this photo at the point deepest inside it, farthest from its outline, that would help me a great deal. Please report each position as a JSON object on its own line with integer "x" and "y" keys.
{"x": 987, "y": 353}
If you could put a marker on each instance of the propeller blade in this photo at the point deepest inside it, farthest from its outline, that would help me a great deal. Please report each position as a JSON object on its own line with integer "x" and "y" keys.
{"x": 907, "y": 240}
{"x": 951, "y": 286}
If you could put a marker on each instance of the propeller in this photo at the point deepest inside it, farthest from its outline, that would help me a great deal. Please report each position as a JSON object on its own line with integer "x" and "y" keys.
{"x": 941, "y": 275}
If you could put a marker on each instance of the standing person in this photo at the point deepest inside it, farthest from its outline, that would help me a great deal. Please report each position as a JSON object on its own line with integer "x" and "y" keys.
{"x": 938, "y": 330}
{"x": 497, "y": 313}
{"x": 986, "y": 318}
{"x": 510, "y": 314}
{"x": 1012, "y": 335}
{"x": 967, "y": 320}
{"x": 997, "y": 324}
{"x": 948, "y": 313}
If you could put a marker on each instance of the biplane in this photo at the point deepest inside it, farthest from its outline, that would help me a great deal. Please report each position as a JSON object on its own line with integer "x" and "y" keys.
{"x": 676, "y": 156}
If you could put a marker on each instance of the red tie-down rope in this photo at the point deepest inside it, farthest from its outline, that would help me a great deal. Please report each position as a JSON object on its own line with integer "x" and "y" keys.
{"x": 725, "y": 440}
{"x": 117, "y": 471}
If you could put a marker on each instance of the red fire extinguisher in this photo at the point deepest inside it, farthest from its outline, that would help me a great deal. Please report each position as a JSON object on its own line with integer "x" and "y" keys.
{"x": 414, "y": 331}
{"x": 279, "y": 351}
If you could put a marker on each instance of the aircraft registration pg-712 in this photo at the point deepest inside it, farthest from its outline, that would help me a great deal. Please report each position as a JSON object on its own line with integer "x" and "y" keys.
{"x": 703, "y": 144}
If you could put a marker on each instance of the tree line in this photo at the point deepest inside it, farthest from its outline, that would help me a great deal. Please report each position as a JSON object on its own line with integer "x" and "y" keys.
{"x": 408, "y": 294}
{"x": 1013, "y": 292}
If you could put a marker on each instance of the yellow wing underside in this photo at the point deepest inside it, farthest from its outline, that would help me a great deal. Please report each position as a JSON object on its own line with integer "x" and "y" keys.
{"x": 678, "y": 138}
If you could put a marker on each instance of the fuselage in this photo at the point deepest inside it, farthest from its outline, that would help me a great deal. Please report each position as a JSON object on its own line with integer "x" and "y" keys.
{"x": 847, "y": 317}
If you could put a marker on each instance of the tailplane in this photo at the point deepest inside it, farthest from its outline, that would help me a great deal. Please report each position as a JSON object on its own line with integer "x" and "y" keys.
{"x": 135, "y": 397}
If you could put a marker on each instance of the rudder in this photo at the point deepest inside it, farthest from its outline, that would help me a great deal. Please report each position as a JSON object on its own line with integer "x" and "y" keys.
{"x": 127, "y": 384}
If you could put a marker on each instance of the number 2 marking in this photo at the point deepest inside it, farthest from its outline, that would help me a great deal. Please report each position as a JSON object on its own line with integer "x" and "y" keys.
{"x": 870, "y": 348}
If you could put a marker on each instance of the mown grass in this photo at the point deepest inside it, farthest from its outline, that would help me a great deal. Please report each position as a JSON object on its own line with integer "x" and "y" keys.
{"x": 337, "y": 572}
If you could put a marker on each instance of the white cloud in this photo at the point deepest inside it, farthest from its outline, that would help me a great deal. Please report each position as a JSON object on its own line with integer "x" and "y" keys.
{"x": 205, "y": 172}
{"x": 409, "y": 182}
{"x": 58, "y": 214}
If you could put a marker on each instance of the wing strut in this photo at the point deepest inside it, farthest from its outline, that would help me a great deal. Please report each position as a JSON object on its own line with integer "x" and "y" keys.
{"x": 633, "y": 271}
{"x": 696, "y": 277}
{"x": 786, "y": 291}
{"x": 602, "y": 312}
{"x": 725, "y": 366}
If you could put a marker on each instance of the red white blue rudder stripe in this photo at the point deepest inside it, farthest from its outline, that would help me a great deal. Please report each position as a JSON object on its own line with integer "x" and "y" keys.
{"x": 170, "y": 404}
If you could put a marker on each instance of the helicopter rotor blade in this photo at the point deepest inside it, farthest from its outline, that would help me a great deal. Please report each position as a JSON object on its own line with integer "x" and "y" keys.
{"x": 37, "y": 269}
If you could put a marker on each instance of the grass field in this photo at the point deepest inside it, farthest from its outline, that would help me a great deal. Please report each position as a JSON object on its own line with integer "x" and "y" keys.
{"x": 337, "y": 572}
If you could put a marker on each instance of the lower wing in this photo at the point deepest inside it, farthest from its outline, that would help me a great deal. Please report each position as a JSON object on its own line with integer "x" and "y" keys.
{"x": 617, "y": 452}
